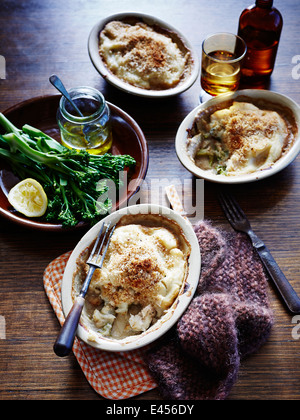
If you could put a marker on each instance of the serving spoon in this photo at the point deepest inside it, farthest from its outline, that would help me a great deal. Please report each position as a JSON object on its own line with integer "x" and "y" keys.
{"x": 58, "y": 84}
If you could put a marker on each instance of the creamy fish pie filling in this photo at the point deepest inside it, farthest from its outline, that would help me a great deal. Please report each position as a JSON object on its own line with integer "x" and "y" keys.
{"x": 147, "y": 57}
{"x": 143, "y": 273}
{"x": 240, "y": 137}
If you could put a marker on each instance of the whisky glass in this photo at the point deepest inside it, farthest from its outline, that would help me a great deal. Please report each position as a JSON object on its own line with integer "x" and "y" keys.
{"x": 222, "y": 58}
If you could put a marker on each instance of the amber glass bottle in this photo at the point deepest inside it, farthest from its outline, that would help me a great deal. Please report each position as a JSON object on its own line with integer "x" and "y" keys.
{"x": 260, "y": 27}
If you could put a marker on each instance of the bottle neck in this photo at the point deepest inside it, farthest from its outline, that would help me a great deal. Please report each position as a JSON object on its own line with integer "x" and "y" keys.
{"x": 265, "y": 4}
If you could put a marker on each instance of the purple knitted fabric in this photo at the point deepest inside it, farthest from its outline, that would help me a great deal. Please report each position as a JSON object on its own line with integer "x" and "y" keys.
{"x": 228, "y": 319}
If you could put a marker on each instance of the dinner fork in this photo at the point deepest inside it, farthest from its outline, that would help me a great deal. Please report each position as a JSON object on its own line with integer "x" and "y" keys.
{"x": 65, "y": 339}
{"x": 239, "y": 222}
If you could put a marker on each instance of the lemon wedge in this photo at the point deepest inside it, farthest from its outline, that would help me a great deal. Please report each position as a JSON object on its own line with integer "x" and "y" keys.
{"x": 29, "y": 198}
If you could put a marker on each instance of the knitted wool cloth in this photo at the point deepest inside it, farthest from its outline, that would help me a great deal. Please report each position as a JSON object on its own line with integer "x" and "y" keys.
{"x": 228, "y": 318}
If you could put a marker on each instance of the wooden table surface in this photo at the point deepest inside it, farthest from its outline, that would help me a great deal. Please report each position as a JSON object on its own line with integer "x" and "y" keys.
{"x": 39, "y": 38}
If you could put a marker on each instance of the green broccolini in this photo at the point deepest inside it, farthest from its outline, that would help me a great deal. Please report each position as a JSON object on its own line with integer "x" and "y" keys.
{"x": 70, "y": 178}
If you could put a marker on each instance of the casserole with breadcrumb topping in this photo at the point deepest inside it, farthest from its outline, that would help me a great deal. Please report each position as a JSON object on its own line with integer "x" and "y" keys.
{"x": 145, "y": 56}
{"x": 240, "y": 136}
{"x": 143, "y": 273}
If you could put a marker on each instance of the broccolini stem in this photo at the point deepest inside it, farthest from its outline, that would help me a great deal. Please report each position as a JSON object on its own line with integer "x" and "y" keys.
{"x": 17, "y": 143}
{"x": 35, "y": 132}
{"x": 23, "y": 166}
{"x": 8, "y": 126}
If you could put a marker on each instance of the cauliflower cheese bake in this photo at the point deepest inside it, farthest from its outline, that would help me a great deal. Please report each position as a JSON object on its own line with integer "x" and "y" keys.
{"x": 145, "y": 56}
{"x": 143, "y": 273}
{"x": 241, "y": 136}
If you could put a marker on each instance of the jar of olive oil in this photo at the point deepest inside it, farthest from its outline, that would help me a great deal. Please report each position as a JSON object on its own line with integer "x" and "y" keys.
{"x": 91, "y": 131}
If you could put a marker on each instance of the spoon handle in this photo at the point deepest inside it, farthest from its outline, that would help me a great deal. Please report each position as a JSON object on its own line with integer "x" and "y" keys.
{"x": 57, "y": 83}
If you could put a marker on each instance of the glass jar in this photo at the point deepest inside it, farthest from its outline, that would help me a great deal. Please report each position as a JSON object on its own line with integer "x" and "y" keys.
{"x": 92, "y": 131}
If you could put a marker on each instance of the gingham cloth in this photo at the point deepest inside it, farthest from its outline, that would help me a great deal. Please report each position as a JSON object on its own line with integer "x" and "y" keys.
{"x": 114, "y": 376}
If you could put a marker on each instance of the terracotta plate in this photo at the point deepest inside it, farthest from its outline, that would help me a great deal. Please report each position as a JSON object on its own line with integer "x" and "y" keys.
{"x": 40, "y": 112}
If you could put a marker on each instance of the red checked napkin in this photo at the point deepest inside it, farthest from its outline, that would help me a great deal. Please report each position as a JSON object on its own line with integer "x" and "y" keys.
{"x": 114, "y": 376}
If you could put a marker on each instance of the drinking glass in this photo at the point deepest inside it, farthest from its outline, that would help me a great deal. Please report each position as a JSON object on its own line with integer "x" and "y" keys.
{"x": 222, "y": 57}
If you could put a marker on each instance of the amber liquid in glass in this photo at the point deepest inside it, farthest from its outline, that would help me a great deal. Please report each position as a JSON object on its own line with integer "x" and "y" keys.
{"x": 219, "y": 76}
